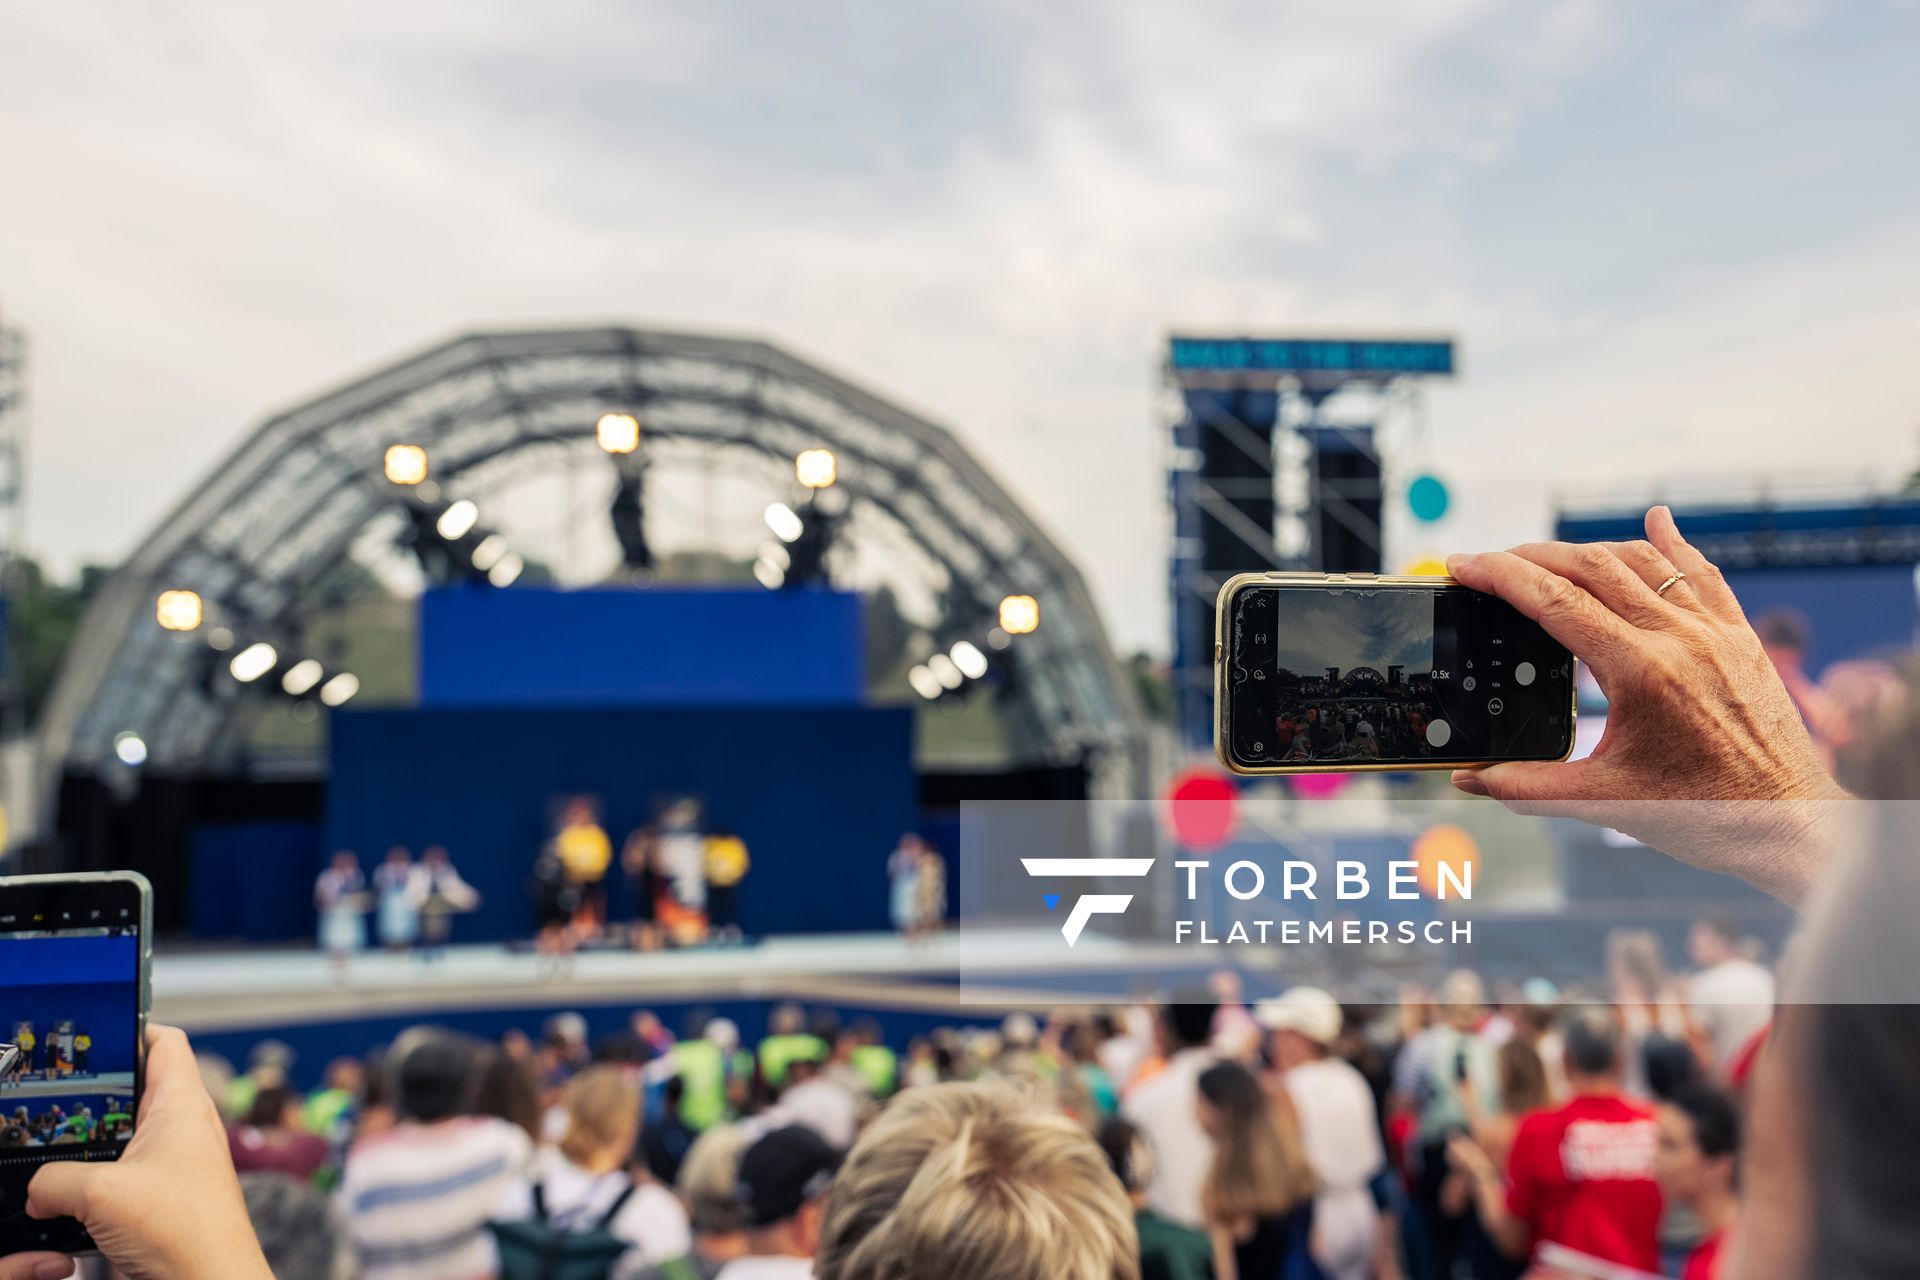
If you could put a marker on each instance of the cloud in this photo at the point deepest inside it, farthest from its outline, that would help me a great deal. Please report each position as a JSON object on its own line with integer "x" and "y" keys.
{"x": 994, "y": 212}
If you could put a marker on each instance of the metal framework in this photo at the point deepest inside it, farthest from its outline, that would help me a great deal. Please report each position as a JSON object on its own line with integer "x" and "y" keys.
{"x": 289, "y": 502}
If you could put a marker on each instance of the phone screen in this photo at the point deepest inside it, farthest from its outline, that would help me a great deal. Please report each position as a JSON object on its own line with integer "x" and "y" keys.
{"x": 72, "y": 991}
{"x": 1331, "y": 676}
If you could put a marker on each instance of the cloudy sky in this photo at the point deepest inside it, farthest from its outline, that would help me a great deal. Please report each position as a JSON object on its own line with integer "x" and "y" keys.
{"x": 1674, "y": 241}
{"x": 1348, "y": 629}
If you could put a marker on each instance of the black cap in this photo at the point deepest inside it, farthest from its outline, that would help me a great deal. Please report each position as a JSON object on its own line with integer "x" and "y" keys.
{"x": 782, "y": 1172}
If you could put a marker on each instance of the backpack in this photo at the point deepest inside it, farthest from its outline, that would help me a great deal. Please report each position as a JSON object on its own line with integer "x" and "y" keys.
{"x": 537, "y": 1249}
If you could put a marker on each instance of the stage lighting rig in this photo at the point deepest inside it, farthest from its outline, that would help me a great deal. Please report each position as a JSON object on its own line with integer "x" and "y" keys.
{"x": 617, "y": 433}
{"x": 406, "y": 464}
{"x": 180, "y": 610}
{"x": 628, "y": 512}
{"x": 452, "y": 547}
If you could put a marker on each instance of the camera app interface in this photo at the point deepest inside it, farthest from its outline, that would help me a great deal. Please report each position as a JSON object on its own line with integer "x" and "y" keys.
{"x": 69, "y": 1022}
{"x": 1378, "y": 675}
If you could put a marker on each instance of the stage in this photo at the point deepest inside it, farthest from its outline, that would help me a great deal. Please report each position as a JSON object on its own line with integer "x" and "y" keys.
{"x": 975, "y": 978}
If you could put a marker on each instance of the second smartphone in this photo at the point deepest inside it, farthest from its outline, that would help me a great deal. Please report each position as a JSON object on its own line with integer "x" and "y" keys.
{"x": 1322, "y": 673}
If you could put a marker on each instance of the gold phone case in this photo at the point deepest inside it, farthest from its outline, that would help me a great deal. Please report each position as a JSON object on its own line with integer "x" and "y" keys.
{"x": 1285, "y": 578}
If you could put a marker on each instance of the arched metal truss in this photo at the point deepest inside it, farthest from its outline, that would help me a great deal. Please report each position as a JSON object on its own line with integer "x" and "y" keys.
{"x": 289, "y": 503}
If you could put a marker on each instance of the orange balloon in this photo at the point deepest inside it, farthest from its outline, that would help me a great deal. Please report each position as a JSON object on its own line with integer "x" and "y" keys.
{"x": 1447, "y": 846}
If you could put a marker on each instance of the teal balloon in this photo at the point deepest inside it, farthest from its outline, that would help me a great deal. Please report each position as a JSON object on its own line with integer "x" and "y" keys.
{"x": 1428, "y": 497}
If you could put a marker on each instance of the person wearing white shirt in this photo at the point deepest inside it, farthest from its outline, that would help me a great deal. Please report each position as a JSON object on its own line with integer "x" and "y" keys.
{"x": 1165, "y": 1107}
{"x": 416, "y": 1198}
{"x": 818, "y": 1101}
{"x": 584, "y": 1176}
{"x": 1338, "y": 1128}
{"x": 1731, "y": 996}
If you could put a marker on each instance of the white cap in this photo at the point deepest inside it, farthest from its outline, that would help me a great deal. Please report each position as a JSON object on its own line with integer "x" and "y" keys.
{"x": 1308, "y": 1010}
{"x": 723, "y": 1033}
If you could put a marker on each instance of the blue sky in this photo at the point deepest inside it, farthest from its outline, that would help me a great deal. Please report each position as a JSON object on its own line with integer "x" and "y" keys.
{"x": 1674, "y": 241}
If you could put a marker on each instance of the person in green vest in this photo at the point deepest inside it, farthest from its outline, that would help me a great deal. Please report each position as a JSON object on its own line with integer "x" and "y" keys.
{"x": 1168, "y": 1250}
{"x": 327, "y": 1107}
{"x": 788, "y": 1041}
{"x": 877, "y": 1066}
{"x": 715, "y": 1073}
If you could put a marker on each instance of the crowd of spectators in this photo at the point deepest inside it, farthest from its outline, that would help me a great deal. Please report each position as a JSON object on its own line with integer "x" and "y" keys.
{"x": 1455, "y": 1133}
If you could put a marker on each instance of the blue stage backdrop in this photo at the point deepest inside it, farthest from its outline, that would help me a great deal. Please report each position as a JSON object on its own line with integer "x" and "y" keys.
{"x": 93, "y": 982}
{"x": 820, "y": 794}
{"x": 678, "y": 646}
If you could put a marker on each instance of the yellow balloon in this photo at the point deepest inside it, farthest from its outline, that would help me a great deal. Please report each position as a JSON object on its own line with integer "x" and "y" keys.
{"x": 1427, "y": 567}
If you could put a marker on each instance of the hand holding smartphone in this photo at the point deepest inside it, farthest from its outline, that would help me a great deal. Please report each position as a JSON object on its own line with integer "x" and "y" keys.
{"x": 74, "y": 994}
{"x": 1330, "y": 673}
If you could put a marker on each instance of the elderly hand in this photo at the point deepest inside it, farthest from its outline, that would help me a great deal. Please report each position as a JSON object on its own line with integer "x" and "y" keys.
{"x": 170, "y": 1206}
{"x": 1696, "y": 711}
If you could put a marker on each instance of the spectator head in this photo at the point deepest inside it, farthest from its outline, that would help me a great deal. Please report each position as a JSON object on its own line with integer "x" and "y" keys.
{"x": 1130, "y": 1156}
{"x": 216, "y": 1074}
{"x": 399, "y": 856}
{"x": 346, "y": 1074}
{"x": 274, "y": 1107}
{"x": 1591, "y": 1047}
{"x": 433, "y": 1075}
{"x": 435, "y": 856}
{"x": 13, "y": 1136}
{"x": 1304, "y": 1023}
{"x": 784, "y": 1179}
{"x": 786, "y": 1020}
{"x": 958, "y": 1181}
{"x": 566, "y": 1032}
{"x": 722, "y": 1033}
{"x": 1463, "y": 999}
{"x": 1670, "y": 1065}
{"x": 709, "y": 1182}
{"x": 1699, "y": 1145}
{"x": 1714, "y": 940}
{"x": 1785, "y": 631}
{"x": 1523, "y": 1077}
{"x": 603, "y": 1119}
{"x": 1187, "y": 1023}
{"x": 1259, "y": 1168}
{"x": 296, "y": 1227}
{"x": 504, "y": 1086}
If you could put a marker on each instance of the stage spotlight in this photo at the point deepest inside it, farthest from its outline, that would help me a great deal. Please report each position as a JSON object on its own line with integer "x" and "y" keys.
{"x": 180, "y": 610}
{"x": 253, "y": 662}
{"x": 457, "y": 520}
{"x": 967, "y": 656}
{"x": 406, "y": 464}
{"x": 220, "y": 639}
{"x": 785, "y": 523}
{"x": 998, "y": 639}
{"x": 944, "y": 670}
{"x": 507, "y": 570}
{"x": 131, "y": 748}
{"x": 302, "y": 676}
{"x": 815, "y": 469}
{"x": 340, "y": 689}
{"x": 492, "y": 549}
{"x": 617, "y": 432}
{"x": 775, "y": 554}
{"x": 768, "y": 574}
{"x": 925, "y": 683}
{"x": 1019, "y": 615}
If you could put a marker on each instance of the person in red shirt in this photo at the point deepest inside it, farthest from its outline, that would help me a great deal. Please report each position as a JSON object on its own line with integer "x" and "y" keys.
{"x": 1699, "y": 1147}
{"x": 1580, "y": 1185}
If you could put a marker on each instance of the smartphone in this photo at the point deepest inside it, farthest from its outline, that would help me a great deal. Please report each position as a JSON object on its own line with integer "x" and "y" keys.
{"x": 1345, "y": 672}
{"x": 74, "y": 994}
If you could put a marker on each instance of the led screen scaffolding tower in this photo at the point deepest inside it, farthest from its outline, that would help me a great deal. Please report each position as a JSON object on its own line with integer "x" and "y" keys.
{"x": 1227, "y": 487}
